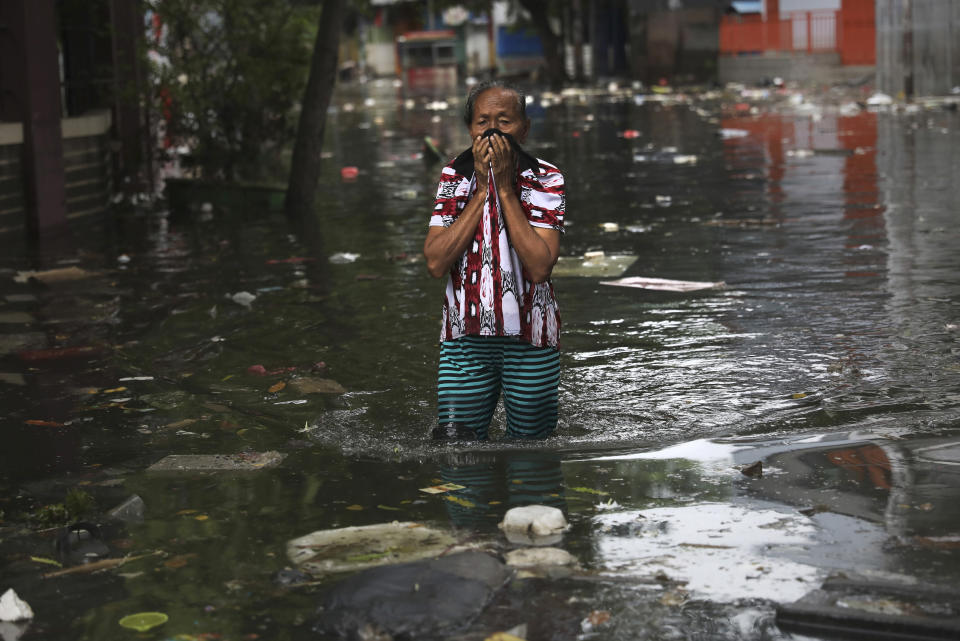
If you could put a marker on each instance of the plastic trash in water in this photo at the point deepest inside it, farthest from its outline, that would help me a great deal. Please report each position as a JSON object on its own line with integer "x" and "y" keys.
{"x": 349, "y": 173}
{"x": 242, "y": 298}
{"x": 726, "y": 134}
{"x": 879, "y": 99}
{"x": 13, "y": 608}
{"x": 663, "y": 284}
{"x": 342, "y": 258}
{"x": 593, "y": 264}
{"x": 534, "y": 525}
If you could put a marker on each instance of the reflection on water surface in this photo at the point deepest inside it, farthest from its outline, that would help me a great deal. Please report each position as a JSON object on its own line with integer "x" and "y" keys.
{"x": 834, "y": 236}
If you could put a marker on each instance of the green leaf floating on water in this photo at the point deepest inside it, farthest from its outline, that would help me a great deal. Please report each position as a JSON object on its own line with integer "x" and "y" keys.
{"x": 143, "y": 621}
{"x": 461, "y": 501}
{"x": 589, "y": 490}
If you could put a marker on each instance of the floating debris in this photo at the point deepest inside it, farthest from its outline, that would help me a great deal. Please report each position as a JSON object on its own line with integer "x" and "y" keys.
{"x": 664, "y": 284}
{"x": 666, "y": 156}
{"x": 416, "y": 600}
{"x": 879, "y": 99}
{"x": 534, "y": 524}
{"x": 727, "y": 134}
{"x": 58, "y": 353}
{"x": 342, "y": 258}
{"x": 876, "y": 609}
{"x": 13, "y": 608}
{"x": 593, "y": 264}
{"x": 445, "y": 487}
{"x": 143, "y": 621}
{"x": 242, "y": 298}
{"x": 356, "y": 548}
{"x": 50, "y": 276}
{"x": 217, "y": 462}
{"x": 309, "y": 385}
{"x": 539, "y": 557}
{"x": 753, "y": 470}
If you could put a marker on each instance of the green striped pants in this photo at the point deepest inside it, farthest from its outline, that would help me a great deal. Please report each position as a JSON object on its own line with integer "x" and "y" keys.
{"x": 473, "y": 371}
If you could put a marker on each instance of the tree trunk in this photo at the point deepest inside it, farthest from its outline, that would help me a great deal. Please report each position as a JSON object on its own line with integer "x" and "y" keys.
{"x": 552, "y": 45}
{"x": 305, "y": 165}
{"x": 577, "y": 41}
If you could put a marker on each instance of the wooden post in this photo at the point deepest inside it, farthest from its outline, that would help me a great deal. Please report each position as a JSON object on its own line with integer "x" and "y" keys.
{"x": 908, "y": 49}
{"x": 772, "y": 27}
{"x": 43, "y": 172}
{"x": 126, "y": 18}
{"x": 577, "y": 29}
{"x": 491, "y": 40}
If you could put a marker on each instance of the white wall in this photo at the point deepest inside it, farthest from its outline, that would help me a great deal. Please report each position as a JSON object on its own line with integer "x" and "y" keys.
{"x": 381, "y": 58}
{"x": 477, "y": 49}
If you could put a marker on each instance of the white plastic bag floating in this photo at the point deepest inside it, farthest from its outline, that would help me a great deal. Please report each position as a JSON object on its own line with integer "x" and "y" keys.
{"x": 663, "y": 284}
{"x": 534, "y": 525}
{"x": 879, "y": 100}
{"x": 13, "y": 608}
{"x": 342, "y": 258}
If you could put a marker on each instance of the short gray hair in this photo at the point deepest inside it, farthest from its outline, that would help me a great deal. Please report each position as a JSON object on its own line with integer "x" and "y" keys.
{"x": 480, "y": 87}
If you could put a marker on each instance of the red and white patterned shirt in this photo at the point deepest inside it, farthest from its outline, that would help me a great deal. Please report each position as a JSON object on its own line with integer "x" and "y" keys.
{"x": 489, "y": 293}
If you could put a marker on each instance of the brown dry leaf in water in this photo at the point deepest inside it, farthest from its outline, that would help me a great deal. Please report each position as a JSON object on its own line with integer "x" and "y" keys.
{"x": 598, "y": 617}
{"x": 276, "y": 387}
{"x": 178, "y": 561}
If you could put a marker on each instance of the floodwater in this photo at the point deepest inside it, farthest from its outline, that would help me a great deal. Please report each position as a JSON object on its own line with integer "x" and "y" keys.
{"x": 832, "y": 354}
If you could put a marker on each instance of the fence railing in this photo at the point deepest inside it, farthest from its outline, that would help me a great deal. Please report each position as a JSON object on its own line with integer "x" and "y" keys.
{"x": 810, "y": 31}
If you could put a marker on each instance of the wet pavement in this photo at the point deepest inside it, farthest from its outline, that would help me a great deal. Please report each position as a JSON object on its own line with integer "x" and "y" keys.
{"x": 831, "y": 355}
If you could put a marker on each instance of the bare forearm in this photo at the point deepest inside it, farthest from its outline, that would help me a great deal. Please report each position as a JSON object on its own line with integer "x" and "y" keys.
{"x": 536, "y": 254}
{"x": 444, "y": 245}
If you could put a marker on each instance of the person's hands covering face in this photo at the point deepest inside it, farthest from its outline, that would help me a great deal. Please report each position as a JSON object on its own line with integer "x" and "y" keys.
{"x": 503, "y": 159}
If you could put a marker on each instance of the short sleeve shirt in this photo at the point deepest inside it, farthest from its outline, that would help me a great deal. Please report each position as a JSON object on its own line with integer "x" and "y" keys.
{"x": 489, "y": 293}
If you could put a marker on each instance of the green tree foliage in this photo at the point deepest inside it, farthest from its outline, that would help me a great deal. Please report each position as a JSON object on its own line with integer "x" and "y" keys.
{"x": 228, "y": 77}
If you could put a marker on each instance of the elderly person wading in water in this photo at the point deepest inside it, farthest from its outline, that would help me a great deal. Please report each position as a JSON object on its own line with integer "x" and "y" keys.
{"x": 495, "y": 230}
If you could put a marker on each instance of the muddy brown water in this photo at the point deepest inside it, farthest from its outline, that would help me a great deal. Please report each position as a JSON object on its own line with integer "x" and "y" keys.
{"x": 831, "y": 354}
